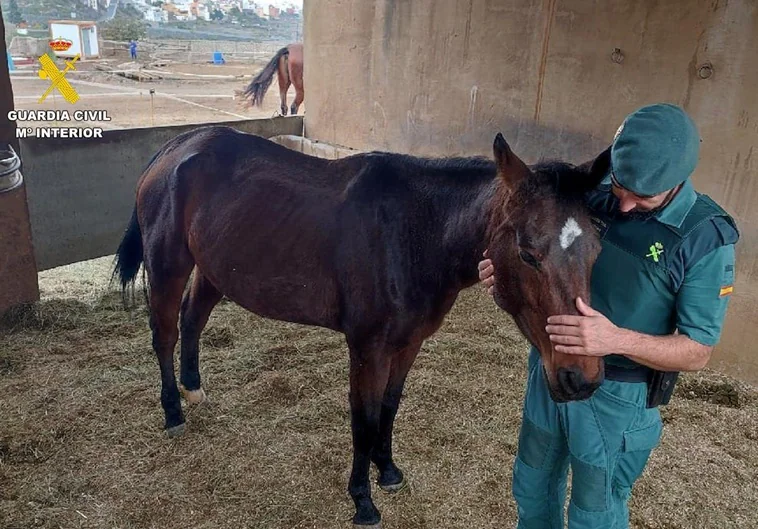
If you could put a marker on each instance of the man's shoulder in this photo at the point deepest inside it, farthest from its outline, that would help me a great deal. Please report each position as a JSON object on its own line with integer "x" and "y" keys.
{"x": 706, "y": 228}
{"x": 707, "y": 218}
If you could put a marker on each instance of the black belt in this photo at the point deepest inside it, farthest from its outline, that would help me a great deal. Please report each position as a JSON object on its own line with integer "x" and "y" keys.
{"x": 627, "y": 374}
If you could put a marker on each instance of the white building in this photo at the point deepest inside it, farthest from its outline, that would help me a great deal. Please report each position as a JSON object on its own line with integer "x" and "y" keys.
{"x": 81, "y": 34}
{"x": 156, "y": 14}
{"x": 203, "y": 12}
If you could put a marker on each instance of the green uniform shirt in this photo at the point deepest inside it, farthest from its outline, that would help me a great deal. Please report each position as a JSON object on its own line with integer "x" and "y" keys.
{"x": 673, "y": 271}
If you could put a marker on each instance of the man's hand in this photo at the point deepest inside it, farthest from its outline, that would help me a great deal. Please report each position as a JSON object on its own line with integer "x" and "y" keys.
{"x": 590, "y": 334}
{"x": 487, "y": 273}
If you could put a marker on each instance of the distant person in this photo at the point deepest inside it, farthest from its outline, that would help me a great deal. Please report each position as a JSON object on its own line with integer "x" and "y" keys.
{"x": 133, "y": 49}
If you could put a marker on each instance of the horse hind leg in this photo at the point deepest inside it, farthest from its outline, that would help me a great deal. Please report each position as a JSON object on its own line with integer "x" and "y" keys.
{"x": 299, "y": 96}
{"x": 198, "y": 303}
{"x": 283, "y": 79}
{"x": 165, "y": 298}
{"x": 168, "y": 263}
{"x": 296, "y": 77}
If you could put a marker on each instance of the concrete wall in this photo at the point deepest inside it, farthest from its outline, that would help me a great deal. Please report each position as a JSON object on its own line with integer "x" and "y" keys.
{"x": 430, "y": 77}
{"x": 313, "y": 147}
{"x": 81, "y": 191}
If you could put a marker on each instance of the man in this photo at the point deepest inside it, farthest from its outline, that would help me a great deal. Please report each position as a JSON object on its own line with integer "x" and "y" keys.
{"x": 659, "y": 294}
{"x": 133, "y": 49}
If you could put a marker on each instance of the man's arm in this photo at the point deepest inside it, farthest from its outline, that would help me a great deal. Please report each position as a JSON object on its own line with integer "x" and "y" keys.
{"x": 701, "y": 307}
{"x": 592, "y": 334}
{"x": 665, "y": 353}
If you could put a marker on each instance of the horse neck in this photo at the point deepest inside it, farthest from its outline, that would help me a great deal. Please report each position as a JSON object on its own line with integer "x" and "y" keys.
{"x": 465, "y": 232}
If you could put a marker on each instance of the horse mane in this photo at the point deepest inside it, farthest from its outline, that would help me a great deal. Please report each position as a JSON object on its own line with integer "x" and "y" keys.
{"x": 393, "y": 176}
{"x": 566, "y": 179}
{"x": 442, "y": 164}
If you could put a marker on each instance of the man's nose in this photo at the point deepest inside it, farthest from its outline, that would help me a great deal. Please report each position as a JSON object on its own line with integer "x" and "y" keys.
{"x": 626, "y": 204}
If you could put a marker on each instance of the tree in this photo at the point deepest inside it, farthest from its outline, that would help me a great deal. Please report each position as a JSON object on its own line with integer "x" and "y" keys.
{"x": 14, "y": 13}
{"x": 124, "y": 28}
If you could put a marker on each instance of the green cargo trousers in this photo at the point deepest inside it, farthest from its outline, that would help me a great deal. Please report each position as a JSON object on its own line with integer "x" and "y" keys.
{"x": 606, "y": 439}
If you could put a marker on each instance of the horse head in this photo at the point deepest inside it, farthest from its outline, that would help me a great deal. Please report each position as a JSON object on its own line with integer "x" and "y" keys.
{"x": 543, "y": 247}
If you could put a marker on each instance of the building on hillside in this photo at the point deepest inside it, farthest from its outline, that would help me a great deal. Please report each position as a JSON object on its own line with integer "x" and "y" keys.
{"x": 200, "y": 11}
{"x": 156, "y": 14}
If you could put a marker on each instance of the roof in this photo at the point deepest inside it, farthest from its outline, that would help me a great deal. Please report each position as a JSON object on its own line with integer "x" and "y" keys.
{"x": 74, "y": 22}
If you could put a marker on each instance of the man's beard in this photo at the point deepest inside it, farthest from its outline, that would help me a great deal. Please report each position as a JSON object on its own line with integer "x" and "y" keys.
{"x": 638, "y": 215}
{"x": 642, "y": 215}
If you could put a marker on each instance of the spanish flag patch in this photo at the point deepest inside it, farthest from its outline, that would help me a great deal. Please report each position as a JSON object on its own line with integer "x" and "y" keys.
{"x": 725, "y": 291}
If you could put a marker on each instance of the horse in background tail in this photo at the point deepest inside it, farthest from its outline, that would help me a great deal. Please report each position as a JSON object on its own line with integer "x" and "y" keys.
{"x": 288, "y": 65}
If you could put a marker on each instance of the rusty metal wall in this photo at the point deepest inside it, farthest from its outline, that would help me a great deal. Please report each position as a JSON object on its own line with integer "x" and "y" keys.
{"x": 18, "y": 271}
{"x": 430, "y": 77}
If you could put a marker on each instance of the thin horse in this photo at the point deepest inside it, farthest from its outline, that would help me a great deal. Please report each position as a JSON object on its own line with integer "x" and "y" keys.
{"x": 288, "y": 65}
{"x": 376, "y": 246}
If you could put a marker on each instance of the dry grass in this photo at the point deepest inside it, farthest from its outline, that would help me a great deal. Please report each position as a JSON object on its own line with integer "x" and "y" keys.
{"x": 81, "y": 442}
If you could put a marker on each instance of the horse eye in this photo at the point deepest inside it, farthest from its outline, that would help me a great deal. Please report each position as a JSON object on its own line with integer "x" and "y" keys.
{"x": 529, "y": 259}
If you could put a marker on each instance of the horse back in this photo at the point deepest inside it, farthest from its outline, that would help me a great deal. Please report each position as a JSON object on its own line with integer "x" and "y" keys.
{"x": 259, "y": 220}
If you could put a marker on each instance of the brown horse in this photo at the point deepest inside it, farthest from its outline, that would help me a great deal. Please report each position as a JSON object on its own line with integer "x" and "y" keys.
{"x": 376, "y": 246}
{"x": 288, "y": 65}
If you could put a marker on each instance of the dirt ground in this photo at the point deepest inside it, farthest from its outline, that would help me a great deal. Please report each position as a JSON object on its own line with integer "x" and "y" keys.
{"x": 193, "y": 99}
{"x": 81, "y": 444}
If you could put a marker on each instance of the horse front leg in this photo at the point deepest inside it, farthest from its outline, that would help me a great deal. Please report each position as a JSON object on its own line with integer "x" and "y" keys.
{"x": 391, "y": 478}
{"x": 369, "y": 372}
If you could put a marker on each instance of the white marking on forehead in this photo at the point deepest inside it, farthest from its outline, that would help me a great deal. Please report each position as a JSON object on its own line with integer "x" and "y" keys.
{"x": 570, "y": 231}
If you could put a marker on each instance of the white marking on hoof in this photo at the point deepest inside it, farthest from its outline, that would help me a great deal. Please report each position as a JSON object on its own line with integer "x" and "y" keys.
{"x": 569, "y": 233}
{"x": 176, "y": 431}
{"x": 195, "y": 396}
{"x": 374, "y": 526}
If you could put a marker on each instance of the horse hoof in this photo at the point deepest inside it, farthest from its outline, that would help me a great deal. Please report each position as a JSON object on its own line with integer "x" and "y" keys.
{"x": 176, "y": 431}
{"x": 394, "y": 488}
{"x": 194, "y": 397}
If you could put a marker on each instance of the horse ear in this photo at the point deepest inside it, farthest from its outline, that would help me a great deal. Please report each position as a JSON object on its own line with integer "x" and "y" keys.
{"x": 509, "y": 166}
{"x": 596, "y": 170}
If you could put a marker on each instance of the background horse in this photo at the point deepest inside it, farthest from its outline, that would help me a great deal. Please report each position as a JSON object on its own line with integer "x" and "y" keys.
{"x": 288, "y": 65}
{"x": 376, "y": 246}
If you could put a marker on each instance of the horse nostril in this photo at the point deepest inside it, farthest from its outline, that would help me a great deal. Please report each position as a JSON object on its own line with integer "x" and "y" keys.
{"x": 569, "y": 380}
{"x": 574, "y": 385}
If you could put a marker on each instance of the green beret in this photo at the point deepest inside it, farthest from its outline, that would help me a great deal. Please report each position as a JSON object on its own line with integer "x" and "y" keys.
{"x": 655, "y": 149}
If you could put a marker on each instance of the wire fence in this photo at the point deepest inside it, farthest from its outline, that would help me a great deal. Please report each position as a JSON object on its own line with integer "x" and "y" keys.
{"x": 193, "y": 51}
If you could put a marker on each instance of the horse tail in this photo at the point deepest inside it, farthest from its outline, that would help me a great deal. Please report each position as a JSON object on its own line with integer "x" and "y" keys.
{"x": 257, "y": 88}
{"x": 129, "y": 254}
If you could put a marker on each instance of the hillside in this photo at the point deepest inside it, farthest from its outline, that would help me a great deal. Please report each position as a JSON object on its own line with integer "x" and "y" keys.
{"x": 41, "y": 11}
